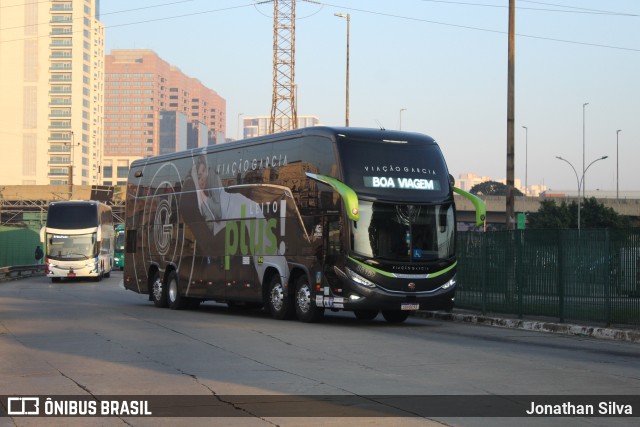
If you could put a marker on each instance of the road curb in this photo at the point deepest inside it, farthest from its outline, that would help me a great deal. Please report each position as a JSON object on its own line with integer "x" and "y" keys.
{"x": 532, "y": 325}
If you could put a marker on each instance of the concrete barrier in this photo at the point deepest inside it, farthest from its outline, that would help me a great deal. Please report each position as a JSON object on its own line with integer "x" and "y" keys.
{"x": 16, "y": 272}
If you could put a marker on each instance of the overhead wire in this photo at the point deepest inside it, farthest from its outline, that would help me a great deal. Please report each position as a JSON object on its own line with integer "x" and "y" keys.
{"x": 468, "y": 27}
{"x": 570, "y": 9}
{"x": 320, "y": 3}
{"x": 143, "y": 21}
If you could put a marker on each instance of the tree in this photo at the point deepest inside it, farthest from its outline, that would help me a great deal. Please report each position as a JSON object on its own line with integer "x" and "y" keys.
{"x": 492, "y": 188}
{"x": 593, "y": 215}
{"x": 550, "y": 215}
{"x": 597, "y": 215}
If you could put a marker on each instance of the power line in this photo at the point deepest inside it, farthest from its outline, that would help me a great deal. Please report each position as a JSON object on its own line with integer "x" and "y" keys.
{"x": 572, "y": 8}
{"x": 598, "y": 11}
{"x": 101, "y": 14}
{"x": 148, "y": 20}
{"x": 467, "y": 27}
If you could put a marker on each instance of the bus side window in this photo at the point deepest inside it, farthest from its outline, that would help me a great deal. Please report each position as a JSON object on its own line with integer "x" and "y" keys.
{"x": 132, "y": 237}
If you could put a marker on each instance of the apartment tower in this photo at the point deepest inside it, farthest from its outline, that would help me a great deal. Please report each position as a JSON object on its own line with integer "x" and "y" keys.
{"x": 52, "y": 85}
{"x": 259, "y": 125}
{"x": 152, "y": 108}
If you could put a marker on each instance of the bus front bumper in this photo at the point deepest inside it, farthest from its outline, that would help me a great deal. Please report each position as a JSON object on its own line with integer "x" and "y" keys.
{"x": 75, "y": 269}
{"x": 356, "y": 296}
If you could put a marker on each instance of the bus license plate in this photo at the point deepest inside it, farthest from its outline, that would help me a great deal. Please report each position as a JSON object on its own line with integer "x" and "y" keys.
{"x": 407, "y": 306}
{"x": 71, "y": 274}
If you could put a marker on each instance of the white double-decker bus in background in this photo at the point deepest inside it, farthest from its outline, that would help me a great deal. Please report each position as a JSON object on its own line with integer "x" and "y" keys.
{"x": 78, "y": 240}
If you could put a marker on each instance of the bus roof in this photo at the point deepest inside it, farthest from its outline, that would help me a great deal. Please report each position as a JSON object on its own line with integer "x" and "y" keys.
{"x": 324, "y": 131}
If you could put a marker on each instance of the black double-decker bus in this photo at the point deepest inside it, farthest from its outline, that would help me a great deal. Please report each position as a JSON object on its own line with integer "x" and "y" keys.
{"x": 300, "y": 222}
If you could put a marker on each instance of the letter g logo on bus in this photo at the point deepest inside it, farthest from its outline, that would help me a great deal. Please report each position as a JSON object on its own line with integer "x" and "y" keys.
{"x": 162, "y": 227}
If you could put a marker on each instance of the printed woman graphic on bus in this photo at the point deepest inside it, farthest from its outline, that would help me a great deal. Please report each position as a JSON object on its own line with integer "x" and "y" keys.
{"x": 225, "y": 220}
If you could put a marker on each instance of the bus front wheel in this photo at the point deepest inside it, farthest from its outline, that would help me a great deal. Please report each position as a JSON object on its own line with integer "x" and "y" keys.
{"x": 280, "y": 305}
{"x": 395, "y": 316}
{"x": 365, "y": 314}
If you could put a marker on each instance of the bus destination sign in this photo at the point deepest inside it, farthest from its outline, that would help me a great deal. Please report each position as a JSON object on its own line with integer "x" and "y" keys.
{"x": 401, "y": 183}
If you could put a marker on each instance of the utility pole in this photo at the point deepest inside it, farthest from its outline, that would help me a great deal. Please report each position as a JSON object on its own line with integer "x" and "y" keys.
{"x": 510, "y": 207}
{"x": 283, "y": 104}
{"x": 348, "y": 18}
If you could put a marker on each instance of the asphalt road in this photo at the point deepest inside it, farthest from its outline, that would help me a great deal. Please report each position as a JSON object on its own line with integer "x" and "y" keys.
{"x": 84, "y": 338}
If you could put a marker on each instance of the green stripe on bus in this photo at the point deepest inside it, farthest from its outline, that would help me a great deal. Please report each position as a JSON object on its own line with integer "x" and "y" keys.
{"x": 387, "y": 274}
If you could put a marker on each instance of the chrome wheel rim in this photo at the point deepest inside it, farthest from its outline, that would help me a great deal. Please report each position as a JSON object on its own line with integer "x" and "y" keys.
{"x": 303, "y": 298}
{"x": 173, "y": 290}
{"x": 157, "y": 289}
{"x": 277, "y": 297}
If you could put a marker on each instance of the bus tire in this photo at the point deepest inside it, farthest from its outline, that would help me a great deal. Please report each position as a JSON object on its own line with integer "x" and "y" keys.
{"x": 55, "y": 280}
{"x": 280, "y": 305}
{"x": 175, "y": 300}
{"x": 306, "y": 310}
{"x": 395, "y": 316}
{"x": 365, "y": 314}
{"x": 107, "y": 274}
{"x": 158, "y": 291}
{"x": 194, "y": 303}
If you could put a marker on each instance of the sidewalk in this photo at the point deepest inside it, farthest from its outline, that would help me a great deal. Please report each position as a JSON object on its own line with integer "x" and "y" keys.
{"x": 631, "y": 335}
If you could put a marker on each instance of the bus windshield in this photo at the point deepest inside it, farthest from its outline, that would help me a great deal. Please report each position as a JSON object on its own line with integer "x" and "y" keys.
{"x": 71, "y": 247}
{"x": 120, "y": 241}
{"x": 404, "y": 232}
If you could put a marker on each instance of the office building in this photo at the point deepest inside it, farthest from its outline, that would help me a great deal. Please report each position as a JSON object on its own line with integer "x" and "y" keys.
{"x": 259, "y": 125}
{"x": 152, "y": 108}
{"x": 52, "y": 85}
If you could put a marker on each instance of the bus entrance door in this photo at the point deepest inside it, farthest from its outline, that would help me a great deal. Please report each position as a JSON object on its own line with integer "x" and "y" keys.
{"x": 333, "y": 254}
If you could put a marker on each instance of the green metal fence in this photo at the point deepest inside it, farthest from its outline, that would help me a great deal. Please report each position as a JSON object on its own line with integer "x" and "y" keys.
{"x": 587, "y": 275}
{"x": 18, "y": 244}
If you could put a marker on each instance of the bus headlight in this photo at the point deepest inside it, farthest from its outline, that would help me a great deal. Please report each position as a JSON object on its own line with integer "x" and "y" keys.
{"x": 359, "y": 279}
{"x": 450, "y": 284}
{"x": 91, "y": 264}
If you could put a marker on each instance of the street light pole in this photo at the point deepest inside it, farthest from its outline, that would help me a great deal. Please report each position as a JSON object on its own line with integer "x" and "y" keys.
{"x": 526, "y": 160}
{"x": 400, "y": 125}
{"x": 348, "y": 18}
{"x": 617, "y": 166}
{"x": 583, "y": 145}
{"x": 580, "y": 181}
{"x": 238, "y": 126}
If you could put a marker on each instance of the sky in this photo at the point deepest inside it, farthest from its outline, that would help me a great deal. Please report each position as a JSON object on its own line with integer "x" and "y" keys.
{"x": 431, "y": 66}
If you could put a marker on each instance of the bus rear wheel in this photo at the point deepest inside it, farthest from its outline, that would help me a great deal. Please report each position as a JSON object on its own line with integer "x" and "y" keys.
{"x": 395, "y": 316}
{"x": 176, "y": 301}
{"x": 158, "y": 291}
{"x": 280, "y": 305}
{"x": 306, "y": 310}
